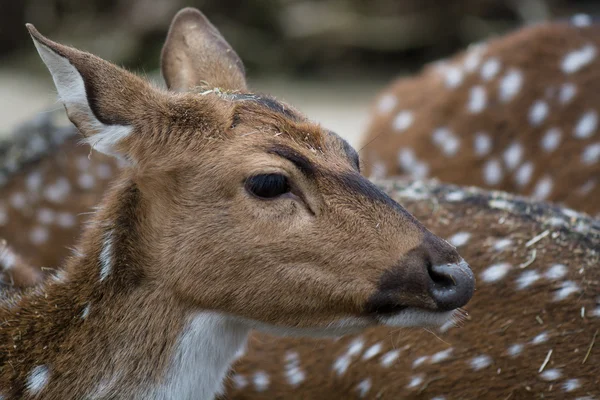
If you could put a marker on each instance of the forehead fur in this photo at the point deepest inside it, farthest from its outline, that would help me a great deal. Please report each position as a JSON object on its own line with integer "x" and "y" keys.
{"x": 264, "y": 114}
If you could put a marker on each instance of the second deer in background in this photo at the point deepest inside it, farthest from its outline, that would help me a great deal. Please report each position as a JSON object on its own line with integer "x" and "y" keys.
{"x": 519, "y": 113}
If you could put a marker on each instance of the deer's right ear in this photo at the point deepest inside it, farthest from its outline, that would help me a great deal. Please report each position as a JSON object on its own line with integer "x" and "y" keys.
{"x": 195, "y": 54}
{"x": 102, "y": 100}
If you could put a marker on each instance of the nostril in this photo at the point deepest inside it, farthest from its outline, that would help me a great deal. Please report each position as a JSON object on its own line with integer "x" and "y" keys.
{"x": 452, "y": 285}
{"x": 441, "y": 276}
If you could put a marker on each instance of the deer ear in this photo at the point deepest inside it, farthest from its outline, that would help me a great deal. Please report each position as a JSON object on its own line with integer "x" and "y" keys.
{"x": 101, "y": 99}
{"x": 195, "y": 54}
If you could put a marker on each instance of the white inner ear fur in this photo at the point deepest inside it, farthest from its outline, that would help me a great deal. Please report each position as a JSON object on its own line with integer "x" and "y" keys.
{"x": 71, "y": 91}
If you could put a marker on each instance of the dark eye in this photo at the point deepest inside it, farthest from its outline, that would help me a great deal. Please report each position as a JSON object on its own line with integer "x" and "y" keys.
{"x": 268, "y": 186}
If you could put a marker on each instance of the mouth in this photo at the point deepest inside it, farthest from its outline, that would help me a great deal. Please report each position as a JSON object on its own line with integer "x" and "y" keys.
{"x": 410, "y": 317}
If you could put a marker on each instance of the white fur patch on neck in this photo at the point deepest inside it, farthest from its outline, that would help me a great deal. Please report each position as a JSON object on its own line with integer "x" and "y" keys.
{"x": 206, "y": 349}
{"x": 106, "y": 256}
{"x": 71, "y": 92}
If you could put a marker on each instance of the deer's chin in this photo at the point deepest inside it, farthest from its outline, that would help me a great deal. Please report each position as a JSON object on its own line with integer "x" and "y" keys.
{"x": 416, "y": 317}
{"x": 341, "y": 327}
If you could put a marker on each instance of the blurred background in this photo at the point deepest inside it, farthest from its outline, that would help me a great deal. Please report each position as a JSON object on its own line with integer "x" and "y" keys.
{"x": 327, "y": 57}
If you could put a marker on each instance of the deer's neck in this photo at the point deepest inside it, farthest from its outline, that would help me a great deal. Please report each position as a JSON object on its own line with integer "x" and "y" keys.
{"x": 206, "y": 348}
{"x": 111, "y": 329}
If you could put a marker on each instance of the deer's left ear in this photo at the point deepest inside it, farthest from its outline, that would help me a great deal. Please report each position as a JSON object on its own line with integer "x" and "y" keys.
{"x": 101, "y": 99}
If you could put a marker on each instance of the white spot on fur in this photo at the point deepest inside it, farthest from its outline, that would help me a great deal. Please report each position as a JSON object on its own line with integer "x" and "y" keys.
{"x": 492, "y": 172}
{"x": 459, "y": 239}
{"x": 388, "y": 358}
{"x": 355, "y": 346}
{"x": 477, "y": 100}
{"x": 510, "y": 85}
{"x": 45, "y": 216}
{"x": 496, "y": 272}
{"x": 587, "y": 125}
{"x": 411, "y": 165}
{"x": 38, "y": 379}
{"x": 527, "y": 279}
{"x": 86, "y": 181}
{"x": 482, "y": 143}
{"x": 538, "y": 112}
{"x": 490, "y": 69}
{"x": 566, "y": 93}
{"x": 541, "y": 338}
{"x": 294, "y": 374}
{"x": 576, "y": 60}
{"x": 403, "y": 121}
{"x": 515, "y": 350}
{"x": 480, "y": 362}
{"x": 591, "y": 154}
{"x": 512, "y": 155}
{"x": 524, "y": 174}
{"x": 407, "y": 159}
{"x": 106, "y": 256}
{"x": 441, "y": 356}
{"x": 551, "y": 140}
{"x": 39, "y": 235}
{"x": 556, "y": 272}
{"x": 86, "y": 311}
{"x": 473, "y": 58}
{"x": 58, "y": 191}
{"x": 543, "y": 188}
{"x": 581, "y": 20}
{"x": 551, "y": 374}
{"x": 8, "y": 259}
{"x": 502, "y": 244}
{"x": 341, "y": 364}
{"x": 261, "y": 381}
{"x": 386, "y": 103}
{"x": 420, "y": 361}
{"x": 415, "y": 381}
{"x": 567, "y": 289}
{"x": 103, "y": 171}
{"x": 34, "y": 181}
{"x": 372, "y": 351}
{"x": 446, "y": 140}
{"x": 363, "y": 387}
{"x": 453, "y": 76}
{"x": 571, "y": 385}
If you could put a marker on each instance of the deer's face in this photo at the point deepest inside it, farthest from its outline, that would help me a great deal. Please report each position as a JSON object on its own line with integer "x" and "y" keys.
{"x": 274, "y": 223}
{"x": 253, "y": 210}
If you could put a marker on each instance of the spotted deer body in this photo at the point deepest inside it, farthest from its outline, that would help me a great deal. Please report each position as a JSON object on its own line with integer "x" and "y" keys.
{"x": 519, "y": 113}
{"x": 232, "y": 211}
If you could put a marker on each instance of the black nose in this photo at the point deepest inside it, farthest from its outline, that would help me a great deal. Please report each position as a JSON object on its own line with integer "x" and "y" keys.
{"x": 451, "y": 285}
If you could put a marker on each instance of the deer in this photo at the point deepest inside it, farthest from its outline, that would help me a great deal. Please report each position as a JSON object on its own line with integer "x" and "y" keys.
{"x": 232, "y": 212}
{"x": 518, "y": 113}
{"x": 531, "y": 329}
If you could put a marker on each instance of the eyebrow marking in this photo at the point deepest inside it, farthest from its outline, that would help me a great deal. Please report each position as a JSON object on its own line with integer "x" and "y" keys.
{"x": 303, "y": 164}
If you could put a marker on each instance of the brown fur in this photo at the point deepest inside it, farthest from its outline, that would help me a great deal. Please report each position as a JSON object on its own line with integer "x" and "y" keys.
{"x": 537, "y": 52}
{"x": 182, "y": 234}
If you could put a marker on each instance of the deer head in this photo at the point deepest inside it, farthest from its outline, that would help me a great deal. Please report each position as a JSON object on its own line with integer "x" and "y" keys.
{"x": 240, "y": 203}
